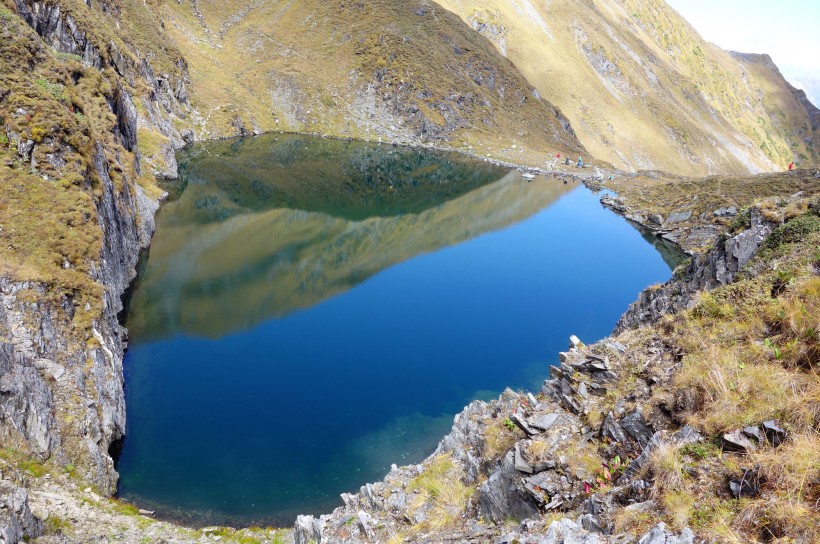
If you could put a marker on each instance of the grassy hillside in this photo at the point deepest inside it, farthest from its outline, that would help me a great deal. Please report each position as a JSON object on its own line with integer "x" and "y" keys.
{"x": 398, "y": 71}
{"x": 643, "y": 90}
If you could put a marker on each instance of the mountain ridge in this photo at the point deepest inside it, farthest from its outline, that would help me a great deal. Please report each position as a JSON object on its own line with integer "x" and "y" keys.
{"x": 655, "y": 95}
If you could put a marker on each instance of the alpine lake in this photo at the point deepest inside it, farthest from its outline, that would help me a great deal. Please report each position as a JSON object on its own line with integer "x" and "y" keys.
{"x": 313, "y": 310}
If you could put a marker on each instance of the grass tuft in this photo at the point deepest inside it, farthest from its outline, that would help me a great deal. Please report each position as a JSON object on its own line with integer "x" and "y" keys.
{"x": 441, "y": 493}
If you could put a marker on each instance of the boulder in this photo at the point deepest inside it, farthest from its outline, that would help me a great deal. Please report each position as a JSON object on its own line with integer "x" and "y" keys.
{"x": 729, "y": 211}
{"x": 738, "y": 442}
{"x": 544, "y": 422}
{"x": 677, "y": 217}
{"x": 753, "y": 432}
{"x": 745, "y": 484}
{"x": 520, "y": 464}
{"x": 635, "y": 426}
{"x": 612, "y": 430}
{"x": 502, "y": 496}
{"x": 567, "y": 531}
{"x": 308, "y": 529}
{"x": 366, "y": 523}
{"x": 521, "y": 424}
{"x": 774, "y": 434}
{"x": 660, "y": 535}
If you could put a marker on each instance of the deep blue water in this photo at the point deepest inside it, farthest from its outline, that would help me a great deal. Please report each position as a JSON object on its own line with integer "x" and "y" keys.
{"x": 282, "y": 356}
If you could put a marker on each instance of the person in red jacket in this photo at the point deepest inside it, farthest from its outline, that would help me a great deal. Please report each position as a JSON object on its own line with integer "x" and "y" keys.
{"x": 791, "y": 166}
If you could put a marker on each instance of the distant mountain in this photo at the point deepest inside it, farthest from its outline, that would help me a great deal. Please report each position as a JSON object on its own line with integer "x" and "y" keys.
{"x": 644, "y": 91}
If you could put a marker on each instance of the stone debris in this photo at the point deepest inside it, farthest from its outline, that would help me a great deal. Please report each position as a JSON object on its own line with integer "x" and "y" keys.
{"x": 544, "y": 422}
{"x": 737, "y": 441}
{"x": 635, "y": 426}
{"x": 521, "y": 424}
{"x": 503, "y": 495}
{"x": 660, "y": 535}
{"x": 366, "y": 523}
{"x": 774, "y": 434}
{"x": 677, "y": 217}
{"x": 754, "y": 432}
{"x": 612, "y": 430}
{"x": 520, "y": 464}
{"x": 567, "y": 531}
{"x": 656, "y": 219}
{"x": 729, "y": 211}
{"x": 746, "y": 484}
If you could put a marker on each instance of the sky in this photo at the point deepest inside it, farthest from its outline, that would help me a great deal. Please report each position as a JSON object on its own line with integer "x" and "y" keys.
{"x": 788, "y": 30}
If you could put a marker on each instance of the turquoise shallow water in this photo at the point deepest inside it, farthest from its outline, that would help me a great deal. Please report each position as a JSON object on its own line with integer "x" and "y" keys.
{"x": 312, "y": 311}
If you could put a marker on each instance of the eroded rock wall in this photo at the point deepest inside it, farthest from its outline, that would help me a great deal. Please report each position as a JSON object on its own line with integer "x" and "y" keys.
{"x": 61, "y": 380}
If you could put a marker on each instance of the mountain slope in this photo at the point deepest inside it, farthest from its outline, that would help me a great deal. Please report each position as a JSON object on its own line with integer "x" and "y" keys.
{"x": 400, "y": 71}
{"x": 643, "y": 90}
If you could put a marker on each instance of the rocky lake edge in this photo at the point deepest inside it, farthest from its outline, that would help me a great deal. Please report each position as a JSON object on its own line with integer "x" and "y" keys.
{"x": 538, "y": 457}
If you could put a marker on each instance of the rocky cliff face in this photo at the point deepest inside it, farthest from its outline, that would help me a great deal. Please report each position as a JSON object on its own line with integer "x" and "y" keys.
{"x": 61, "y": 348}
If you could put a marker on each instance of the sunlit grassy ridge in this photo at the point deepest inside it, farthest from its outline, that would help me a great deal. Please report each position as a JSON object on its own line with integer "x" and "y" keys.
{"x": 61, "y": 103}
{"x": 48, "y": 221}
{"x": 643, "y": 90}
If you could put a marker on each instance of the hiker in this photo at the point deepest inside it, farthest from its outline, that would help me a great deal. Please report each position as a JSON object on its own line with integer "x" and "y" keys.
{"x": 791, "y": 166}
{"x": 566, "y": 160}
{"x": 580, "y": 163}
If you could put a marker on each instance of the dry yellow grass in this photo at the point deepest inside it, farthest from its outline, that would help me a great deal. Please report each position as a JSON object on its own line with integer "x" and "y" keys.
{"x": 749, "y": 355}
{"x": 441, "y": 493}
{"x": 537, "y": 451}
{"x": 375, "y": 70}
{"x": 498, "y": 439}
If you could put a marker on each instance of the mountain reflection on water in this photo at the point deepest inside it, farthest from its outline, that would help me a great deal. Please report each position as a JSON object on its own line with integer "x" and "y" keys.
{"x": 274, "y": 224}
{"x": 313, "y": 311}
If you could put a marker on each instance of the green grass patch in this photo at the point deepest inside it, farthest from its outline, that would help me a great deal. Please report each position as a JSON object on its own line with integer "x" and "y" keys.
{"x": 56, "y": 525}
{"x": 796, "y": 230}
{"x": 125, "y": 508}
{"x": 35, "y": 468}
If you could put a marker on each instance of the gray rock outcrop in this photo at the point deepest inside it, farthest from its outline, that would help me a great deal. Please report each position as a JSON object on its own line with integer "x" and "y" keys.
{"x": 46, "y": 368}
{"x": 719, "y": 266}
{"x": 17, "y": 523}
